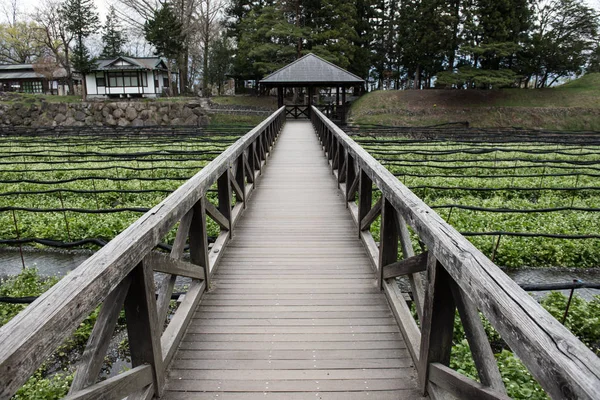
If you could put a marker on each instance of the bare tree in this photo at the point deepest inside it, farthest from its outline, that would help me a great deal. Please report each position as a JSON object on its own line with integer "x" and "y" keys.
{"x": 209, "y": 13}
{"x": 10, "y": 9}
{"x": 200, "y": 20}
{"x": 186, "y": 10}
{"x": 48, "y": 67}
{"x": 135, "y": 12}
{"x": 55, "y": 35}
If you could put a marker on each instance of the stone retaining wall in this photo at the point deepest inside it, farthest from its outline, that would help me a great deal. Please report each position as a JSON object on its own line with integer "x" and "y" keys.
{"x": 134, "y": 113}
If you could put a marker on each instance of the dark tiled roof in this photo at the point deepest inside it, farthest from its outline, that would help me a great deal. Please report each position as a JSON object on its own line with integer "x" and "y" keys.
{"x": 28, "y": 71}
{"x": 311, "y": 69}
{"x": 25, "y": 67}
{"x": 137, "y": 63}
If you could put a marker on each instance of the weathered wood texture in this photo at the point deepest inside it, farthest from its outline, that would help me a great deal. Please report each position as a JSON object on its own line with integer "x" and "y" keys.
{"x": 294, "y": 312}
{"x": 29, "y": 338}
{"x": 563, "y": 365}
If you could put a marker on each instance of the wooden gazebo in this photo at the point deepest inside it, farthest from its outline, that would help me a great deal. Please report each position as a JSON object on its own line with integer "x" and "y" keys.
{"x": 312, "y": 72}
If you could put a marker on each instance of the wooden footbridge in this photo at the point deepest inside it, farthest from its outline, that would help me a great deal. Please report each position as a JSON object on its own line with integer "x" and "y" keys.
{"x": 295, "y": 299}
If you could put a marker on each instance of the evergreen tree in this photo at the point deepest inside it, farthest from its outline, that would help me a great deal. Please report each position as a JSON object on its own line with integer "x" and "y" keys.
{"x": 563, "y": 40}
{"x": 113, "y": 38}
{"x": 363, "y": 56}
{"x": 334, "y": 33}
{"x": 81, "y": 20}
{"x": 164, "y": 32}
{"x": 219, "y": 62}
{"x": 594, "y": 64}
{"x": 267, "y": 41}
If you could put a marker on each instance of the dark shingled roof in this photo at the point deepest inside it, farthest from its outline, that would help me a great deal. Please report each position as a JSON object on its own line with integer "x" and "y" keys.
{"x": 137, "y": 63}
{"x": 311, "y": 69}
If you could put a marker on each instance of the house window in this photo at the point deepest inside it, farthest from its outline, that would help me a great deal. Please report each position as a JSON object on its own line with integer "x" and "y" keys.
{"x": 100, "y": 82}
{"x": 126, "y": 79}
{"x": 32, "y": 87}
{"x": 166, "y": 82}
{"x": 130, "y": 79}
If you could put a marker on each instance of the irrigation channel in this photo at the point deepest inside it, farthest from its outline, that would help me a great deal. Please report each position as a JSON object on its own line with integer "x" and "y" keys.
{"x": 529, "y": 200}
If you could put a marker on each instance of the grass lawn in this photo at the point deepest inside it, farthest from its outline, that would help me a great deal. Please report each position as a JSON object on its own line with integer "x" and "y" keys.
{"x": 572, "y": 106}
{"x": 248, "y": 101}
{"x": 11, "y": 98}
{"x": 232, "y": 119}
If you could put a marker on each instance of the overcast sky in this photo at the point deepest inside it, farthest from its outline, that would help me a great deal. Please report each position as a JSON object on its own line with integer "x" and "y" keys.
{"x": 136, "y": 46}
{"x": 28, "y": 6}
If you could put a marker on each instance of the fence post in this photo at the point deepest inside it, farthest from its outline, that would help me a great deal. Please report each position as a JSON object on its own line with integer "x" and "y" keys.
{"x": 388, "y": 239}
{"x": 437, "y": 325}
{"x": 199, "y": 239}
{"x": 142, "y": 325}
{"x": 365, "y": 197}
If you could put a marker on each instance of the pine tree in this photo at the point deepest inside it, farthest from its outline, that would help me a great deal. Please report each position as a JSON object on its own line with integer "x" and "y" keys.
{"x": 113, "y": 38}
{"x": 81, "y": 20}
{"x": 334, "y": 32}
{"x": 165, "y": 33}
{"x": 219, "y": 62}
{"x": 268, "y": 41}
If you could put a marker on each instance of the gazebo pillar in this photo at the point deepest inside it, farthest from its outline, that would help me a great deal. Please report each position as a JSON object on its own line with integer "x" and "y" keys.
{"x": 321, "y": 74}
{"x": 280, "y": 90}
{"x": 336, "y": 109}
{"x": 343, "y": 113}
{"x": 310, "y": 94}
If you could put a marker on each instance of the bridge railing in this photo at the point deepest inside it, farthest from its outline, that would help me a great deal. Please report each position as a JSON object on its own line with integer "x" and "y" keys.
{"x": 121, "y": 275}
{"x": 451, "y": 274}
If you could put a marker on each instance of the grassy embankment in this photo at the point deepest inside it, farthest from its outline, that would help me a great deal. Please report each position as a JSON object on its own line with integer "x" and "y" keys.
{"x": 251, "y": 102}
{"x": 572, "y": 106}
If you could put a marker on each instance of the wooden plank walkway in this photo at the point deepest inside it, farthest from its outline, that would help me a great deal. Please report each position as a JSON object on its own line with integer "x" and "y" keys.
{"x": 293, "y": 311}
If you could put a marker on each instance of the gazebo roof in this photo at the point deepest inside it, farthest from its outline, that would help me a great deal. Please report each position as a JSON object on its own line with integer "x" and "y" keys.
{"x": 311, "y": 70}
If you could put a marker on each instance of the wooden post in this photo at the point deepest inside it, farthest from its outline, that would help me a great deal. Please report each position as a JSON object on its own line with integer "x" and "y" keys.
{"x": 165, "y": 287}
{"x": 416, "y": 280}
{"x": 343, "y": 107}
{"x": 365, "y": 197}
{"x": 388, "y": 238}
{"x": 437, "y": 325}
{"x": 252, "y": 157}
{"x": 142, "y": 325}
{"x": 337, "y": 101}
{"x": 199, "y": 239}
{"x": 280, "y": 97}
{"x": 224, "y": 194}
{"x": 350, "y": 176}
{"x": 240, "y": 176}
{"x": 310, "y": 92}
{"x": 92, "y": 359}
{"x": 483, "y": 356}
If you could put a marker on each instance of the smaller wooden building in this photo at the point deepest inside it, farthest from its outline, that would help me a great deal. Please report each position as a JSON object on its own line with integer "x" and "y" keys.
{"x": 313, "y": 73}
{"x": 124, "y": 77}
{"x": 30, "y": 78}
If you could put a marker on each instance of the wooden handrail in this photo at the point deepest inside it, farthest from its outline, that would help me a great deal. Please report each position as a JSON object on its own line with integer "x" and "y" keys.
{"x": 561, "y": 363}
{"x": 31, "y": 336}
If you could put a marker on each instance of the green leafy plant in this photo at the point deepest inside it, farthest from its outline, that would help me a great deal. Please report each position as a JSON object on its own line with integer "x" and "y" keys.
{"x": 39, "y": 387}
{"x": 27, "y": 283}
{"x": 583, "y": 318}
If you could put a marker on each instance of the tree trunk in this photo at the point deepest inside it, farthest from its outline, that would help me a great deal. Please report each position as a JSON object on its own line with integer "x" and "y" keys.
{"x": 205, "y": 67}
{"x": 184, "y": 70}
{"x": 206, "y": 40}
{"x": 454, "y": 48}
{"x": 299, "y": 45}
{"x": 418, "y": 78}
{"x": 67, "y": 66}
{"x": 84, "y": 91}
{"x": 170, "y": 89}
